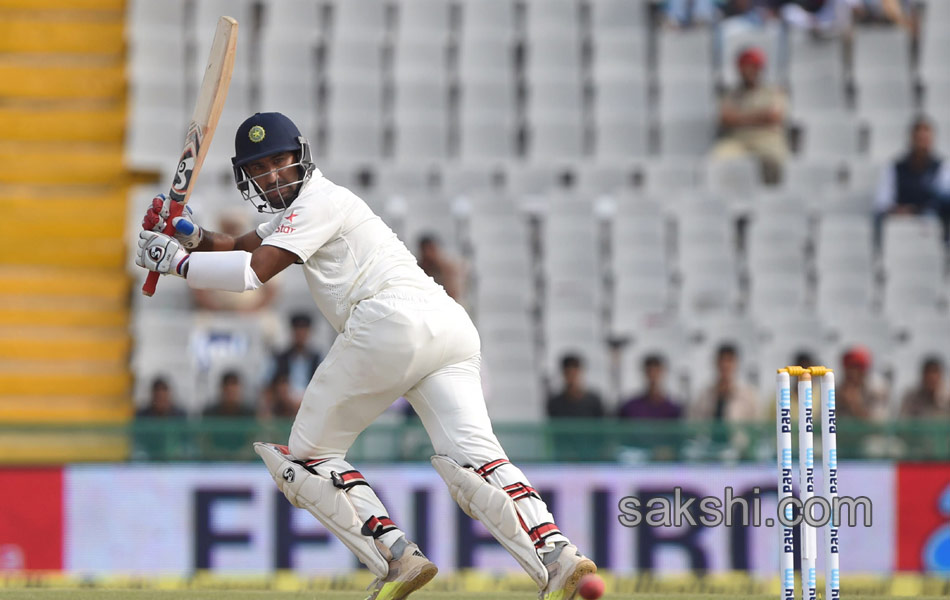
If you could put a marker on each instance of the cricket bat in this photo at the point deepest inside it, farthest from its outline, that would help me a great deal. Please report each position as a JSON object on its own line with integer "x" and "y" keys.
{"x": 211, "y": 96}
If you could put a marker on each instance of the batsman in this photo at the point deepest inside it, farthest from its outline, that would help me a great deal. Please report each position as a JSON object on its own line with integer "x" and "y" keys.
{"x": 400, "y": 334}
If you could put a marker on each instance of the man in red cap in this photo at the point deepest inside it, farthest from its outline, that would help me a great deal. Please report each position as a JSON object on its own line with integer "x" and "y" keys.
{"x": 752, "y": 118}
{"x": 858, "y": 396}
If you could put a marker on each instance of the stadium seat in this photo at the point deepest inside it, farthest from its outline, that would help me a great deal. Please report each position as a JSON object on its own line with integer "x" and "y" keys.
{"x": 686, "y": 136}
{"x": 880, "y": 50}
{"x": 622, "y": 98}
{"x": 421, "y": 99}
{"x": 618, "y": 139}
{"x": 687, "y": 96}
{"x": 486, "y": 138}
{"x": 422, "y": 19}
{"x": 354, "y": 60}
{"x": 419, "y": 137}
{"x": 620, "y": 58}
{"x": 618, "y": 19}
{"x": 293, "y": 19}
{"x": 736, "y": 179}
{"x": 552, "y": 19}
{"x": 488, "y": 19}
{"x": 885, "y": 94}
{"x": 828, "y": 136}
{"x": 486, "y": 59}
{"x": 420, "y": 59}
{"x": 553, "y": 59}
{"x": 688, "y": 50}
{"x": 888, "y": 135}
{"x": 359, "y": 21}
{"x": 145, "y": 17}
{"x": 555, "y": 136}
{"x": 354, "y": 140}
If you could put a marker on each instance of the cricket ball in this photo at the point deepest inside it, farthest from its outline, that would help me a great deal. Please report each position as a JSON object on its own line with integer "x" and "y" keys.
{"x": 590, "y": 587}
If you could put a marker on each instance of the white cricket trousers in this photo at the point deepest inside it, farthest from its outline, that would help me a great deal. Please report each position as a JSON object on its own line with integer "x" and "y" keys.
{"x": 427, "y": 349}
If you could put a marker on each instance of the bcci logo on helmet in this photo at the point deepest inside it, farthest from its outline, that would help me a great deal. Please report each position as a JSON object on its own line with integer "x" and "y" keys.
{"x": 156, "y": 253}
{"x": 256, "y": 133}
{"x": 289, "y": 475}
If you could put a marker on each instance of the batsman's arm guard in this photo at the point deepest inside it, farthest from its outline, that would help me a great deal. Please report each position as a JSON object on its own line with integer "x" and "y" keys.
{"x": 497, "y": 512}
{"x": 304, "y": 488}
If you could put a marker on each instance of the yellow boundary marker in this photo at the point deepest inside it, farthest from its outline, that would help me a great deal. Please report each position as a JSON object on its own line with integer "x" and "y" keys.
{"x": 726, "y": 584}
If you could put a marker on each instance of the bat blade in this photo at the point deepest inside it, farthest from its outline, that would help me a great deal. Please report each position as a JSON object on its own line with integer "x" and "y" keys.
{"x": 204, "y": 121}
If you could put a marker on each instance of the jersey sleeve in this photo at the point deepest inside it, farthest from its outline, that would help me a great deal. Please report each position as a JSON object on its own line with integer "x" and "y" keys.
{"x": 306, "y": 226}
{"x": 268, "y": 227}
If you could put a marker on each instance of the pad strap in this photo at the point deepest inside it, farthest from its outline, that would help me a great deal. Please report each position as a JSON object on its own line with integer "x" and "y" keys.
{"x": 497, "y": 512}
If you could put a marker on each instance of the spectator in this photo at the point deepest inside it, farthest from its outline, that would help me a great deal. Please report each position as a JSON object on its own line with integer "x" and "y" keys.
{"x": 440, "y": 267}
{"x": 300, "y": 360}
{"x": 654, "y": 402}
{"x": 727, "y": 398}
{"x": 857, "y": 397}
{"x": 160, "y": 404}
{"x": 752, "y": 119}
{"x": 227, "y": 440}
{"x": 917, "y": 182}
{"x": 153, "y": 440}
{"x": 280, "y": 401}
{"x": 574, "y": 399}
{"x": 230, "y": 401}
{"x": 689, "y": 13}
{"x": 235, "y": 224}
{"x": 929, "y": 398}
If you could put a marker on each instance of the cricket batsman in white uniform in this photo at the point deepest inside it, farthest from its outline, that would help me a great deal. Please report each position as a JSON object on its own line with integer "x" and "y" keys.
{"x": 400, "y": 334}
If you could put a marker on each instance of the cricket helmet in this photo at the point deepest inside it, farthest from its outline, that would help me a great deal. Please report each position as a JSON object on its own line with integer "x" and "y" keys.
{"x": 262, "y": 135}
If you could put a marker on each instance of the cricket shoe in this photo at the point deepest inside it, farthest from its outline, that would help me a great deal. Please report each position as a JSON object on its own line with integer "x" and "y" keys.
{"x": 408, "y": 573}
{"x": 565, "y": 572}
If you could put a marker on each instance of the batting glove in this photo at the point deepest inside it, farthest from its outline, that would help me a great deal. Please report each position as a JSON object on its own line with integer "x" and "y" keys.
{"x": 161, "y": 253}
{"x": 186, "y": 230}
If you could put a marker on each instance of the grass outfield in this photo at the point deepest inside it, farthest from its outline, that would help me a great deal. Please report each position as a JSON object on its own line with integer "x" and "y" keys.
{"x": 74, "y": 594}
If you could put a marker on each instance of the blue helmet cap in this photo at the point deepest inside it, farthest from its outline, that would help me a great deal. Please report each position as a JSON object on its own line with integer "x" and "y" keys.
{"x": 262, "y": 135}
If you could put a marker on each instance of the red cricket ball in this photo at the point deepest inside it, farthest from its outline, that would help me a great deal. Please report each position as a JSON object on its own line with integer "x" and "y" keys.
{"x": 590, "y": 587}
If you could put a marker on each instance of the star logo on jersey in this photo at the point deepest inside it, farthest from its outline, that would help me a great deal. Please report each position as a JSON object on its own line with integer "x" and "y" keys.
{"x": 290, "y": 218}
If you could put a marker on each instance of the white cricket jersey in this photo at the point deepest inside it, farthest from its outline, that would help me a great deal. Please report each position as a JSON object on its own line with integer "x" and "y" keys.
{"x": 348, "y": 253}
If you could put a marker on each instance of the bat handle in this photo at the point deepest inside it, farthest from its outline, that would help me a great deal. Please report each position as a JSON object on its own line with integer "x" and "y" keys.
{"x": 174, "y": 210}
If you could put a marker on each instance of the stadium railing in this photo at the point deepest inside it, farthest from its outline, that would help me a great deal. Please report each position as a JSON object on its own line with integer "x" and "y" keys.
{"x": 570, "y": 440}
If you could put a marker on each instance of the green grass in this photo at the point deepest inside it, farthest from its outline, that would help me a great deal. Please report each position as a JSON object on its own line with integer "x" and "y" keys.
{"x": 116, "y": 594}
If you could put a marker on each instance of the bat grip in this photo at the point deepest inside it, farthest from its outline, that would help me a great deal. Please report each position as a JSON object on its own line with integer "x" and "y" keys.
{"x": 174, "y": 210}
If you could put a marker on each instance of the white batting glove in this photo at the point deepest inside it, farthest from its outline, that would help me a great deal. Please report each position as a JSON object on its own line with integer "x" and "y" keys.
{"x": 186, "y": 230}
{"x": 161, "y": 253}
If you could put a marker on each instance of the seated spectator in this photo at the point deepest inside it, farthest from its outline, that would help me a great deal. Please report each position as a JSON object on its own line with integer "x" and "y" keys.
{"x": 160, "y": 403}
{"x": 857, "y": 397}
{"x": 280, "y": 401}
{"x": 440, "y": 267}
{"x": 885, "y": 12}
{"x": 234, "y": 223}
{"x": 654, "y": 402}
{"x": 752, "y": 119}
{"x": 230, "y": 402}
{"x": 226, "y": 441}
{"x": 929, "y": 398}
{"x": 689, "y": 13}
{"x": 298, "y": 362}
{"x": 727, "y": 398}
{"x": 574, "y": 399}
{"x": 152, "y": 441}
{"x": 918, "y": 182}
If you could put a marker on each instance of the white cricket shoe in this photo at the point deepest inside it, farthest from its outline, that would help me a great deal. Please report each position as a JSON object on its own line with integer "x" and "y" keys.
{"x": 408, "y": 573}
{"x": 565, "y": 572}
